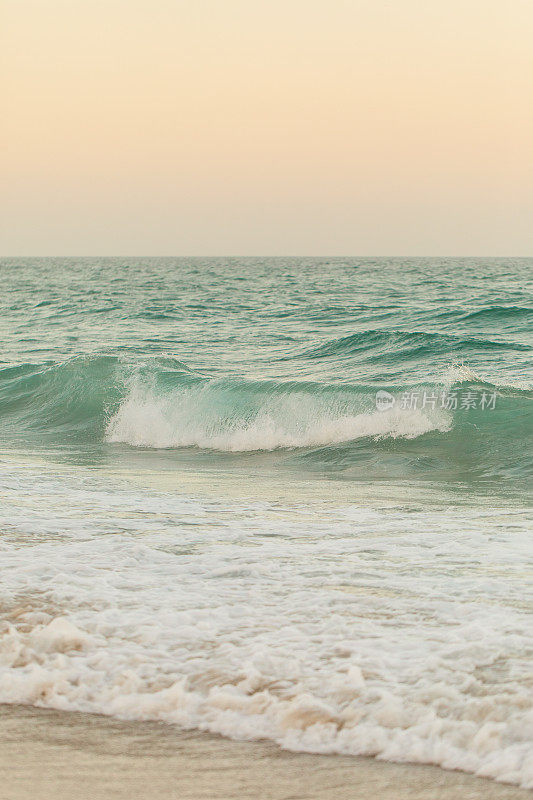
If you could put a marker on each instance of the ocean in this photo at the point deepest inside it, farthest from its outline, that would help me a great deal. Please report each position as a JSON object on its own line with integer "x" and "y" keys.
{"x": 281, "y": 499}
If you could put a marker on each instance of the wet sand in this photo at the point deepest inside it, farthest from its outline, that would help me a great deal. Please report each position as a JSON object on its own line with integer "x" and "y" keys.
{"x": 53, "y": 755}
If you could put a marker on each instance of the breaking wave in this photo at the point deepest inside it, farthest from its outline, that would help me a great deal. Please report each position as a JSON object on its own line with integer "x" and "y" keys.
{"x": 160, "y": 403}
{"x": 236, "y": 418}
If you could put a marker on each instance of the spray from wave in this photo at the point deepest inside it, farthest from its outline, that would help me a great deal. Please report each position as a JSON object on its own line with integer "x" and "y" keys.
{"x": 246, "y": 418}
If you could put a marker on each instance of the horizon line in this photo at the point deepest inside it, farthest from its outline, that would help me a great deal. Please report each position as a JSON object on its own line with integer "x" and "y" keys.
{"x": 293, "y": 255}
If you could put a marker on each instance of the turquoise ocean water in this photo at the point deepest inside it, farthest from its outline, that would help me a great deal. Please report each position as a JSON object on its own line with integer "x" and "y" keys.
{"x": 211, "y": 517}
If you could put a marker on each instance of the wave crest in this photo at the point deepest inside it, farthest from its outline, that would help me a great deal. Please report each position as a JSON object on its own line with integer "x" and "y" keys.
{"x": 217, "y": 417}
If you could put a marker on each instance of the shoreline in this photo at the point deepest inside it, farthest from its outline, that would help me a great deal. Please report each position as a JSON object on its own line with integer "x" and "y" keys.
{"x": 72, "y": 756}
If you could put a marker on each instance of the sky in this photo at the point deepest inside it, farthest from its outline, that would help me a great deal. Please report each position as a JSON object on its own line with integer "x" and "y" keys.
{"x": 255, "y": 127}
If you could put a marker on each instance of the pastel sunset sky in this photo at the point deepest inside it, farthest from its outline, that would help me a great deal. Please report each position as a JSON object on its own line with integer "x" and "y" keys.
{"x": 243, "y": 127}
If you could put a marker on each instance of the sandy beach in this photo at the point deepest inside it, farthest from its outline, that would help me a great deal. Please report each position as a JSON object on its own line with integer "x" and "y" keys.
{"x": 50, "y": 754}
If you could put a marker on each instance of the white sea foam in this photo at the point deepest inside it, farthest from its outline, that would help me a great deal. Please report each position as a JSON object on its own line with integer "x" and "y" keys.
{"x": 457, "y": 372}
{"x": 356, "y": 630}
{"x": 192, "y": 417}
